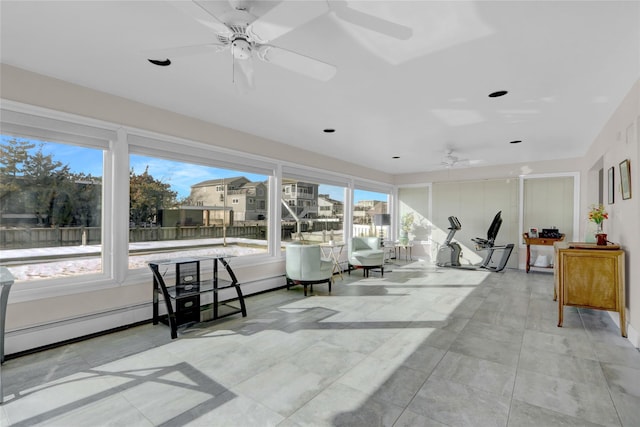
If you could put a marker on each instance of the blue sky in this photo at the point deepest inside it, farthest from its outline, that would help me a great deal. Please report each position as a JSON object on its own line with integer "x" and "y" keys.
{"x": 179, "y": 175}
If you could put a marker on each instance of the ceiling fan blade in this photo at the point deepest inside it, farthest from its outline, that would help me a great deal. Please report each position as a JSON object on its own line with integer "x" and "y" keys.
{"x": 371, "y": 22}
{"x": 202, "y": 15}
{"x": 181, "y": 51}
{"x": 296, "y": 62}
{"x": 284, "y": 17}
{"x": 243, "y": 74}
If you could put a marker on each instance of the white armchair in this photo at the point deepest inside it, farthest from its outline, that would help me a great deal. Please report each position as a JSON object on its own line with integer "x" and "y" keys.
{"x": 365, "y": 253}
{"x": 305, "y": 266}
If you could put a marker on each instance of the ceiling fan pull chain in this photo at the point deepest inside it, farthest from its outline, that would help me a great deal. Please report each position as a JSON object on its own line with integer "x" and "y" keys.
{"x": 233, "y": 66}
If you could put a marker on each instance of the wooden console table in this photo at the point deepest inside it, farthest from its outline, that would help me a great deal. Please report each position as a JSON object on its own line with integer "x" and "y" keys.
{"x": 590, "y": 276}
{"x": 187, "y": 291}
{"x": 538, "y": 241}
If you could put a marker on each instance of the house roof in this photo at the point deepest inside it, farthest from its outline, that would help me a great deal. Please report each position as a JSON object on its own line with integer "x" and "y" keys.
{"x": 221, "y": 181}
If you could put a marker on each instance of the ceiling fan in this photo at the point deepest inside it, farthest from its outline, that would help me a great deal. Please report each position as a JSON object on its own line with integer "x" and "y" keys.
{"x": 247, "y": 36}
{"x": 450, "y": 161}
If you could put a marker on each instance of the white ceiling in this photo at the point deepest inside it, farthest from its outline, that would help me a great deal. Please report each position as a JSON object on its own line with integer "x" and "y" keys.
{"x": 566, "y": 65}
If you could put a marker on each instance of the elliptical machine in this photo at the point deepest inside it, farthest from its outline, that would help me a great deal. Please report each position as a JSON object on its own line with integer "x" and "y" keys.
{"x": 450, "y": 252}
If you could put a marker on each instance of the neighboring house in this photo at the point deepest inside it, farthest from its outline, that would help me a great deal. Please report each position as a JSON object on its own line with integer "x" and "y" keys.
{"x": 256, "y": 201}
{"x": 329, "y": 208}
{"x": 364, "y": 210}
{"x": 378, "y": 208}
{"x": 301, "y": 197}
{"x": 247, "y": 200}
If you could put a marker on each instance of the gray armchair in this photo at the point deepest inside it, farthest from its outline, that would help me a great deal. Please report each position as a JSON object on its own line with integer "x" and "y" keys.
{"x": 305, "y": 266}
{"x": 365, "y": 253}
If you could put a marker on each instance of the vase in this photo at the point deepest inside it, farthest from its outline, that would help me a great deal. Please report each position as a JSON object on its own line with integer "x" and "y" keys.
{"x": 404, "y": 237}
{"x": 601, "y": 237}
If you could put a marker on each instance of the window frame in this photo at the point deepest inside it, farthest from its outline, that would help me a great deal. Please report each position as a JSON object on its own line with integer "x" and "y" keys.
{"x": 35, "y": 123}
{"x": 119, "y": 141}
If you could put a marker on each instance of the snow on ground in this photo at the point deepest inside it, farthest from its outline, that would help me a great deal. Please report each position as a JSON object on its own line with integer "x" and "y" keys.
{"x": 88, "y": 261}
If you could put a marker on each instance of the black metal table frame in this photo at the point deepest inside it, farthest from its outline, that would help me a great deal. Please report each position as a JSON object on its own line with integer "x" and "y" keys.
{"x": 159, "y": 286}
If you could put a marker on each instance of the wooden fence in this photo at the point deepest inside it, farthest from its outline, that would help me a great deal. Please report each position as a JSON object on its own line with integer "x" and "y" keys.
{"x": 25, "y": 237}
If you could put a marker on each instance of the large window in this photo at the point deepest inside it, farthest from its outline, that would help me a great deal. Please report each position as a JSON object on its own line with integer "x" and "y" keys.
{"x": 178, "y": 208}
{"x": 51, "y": 197}
{"x": 312, "y": 211}
{"x": 367, "y": 204}
{"x": 68, "y": 223}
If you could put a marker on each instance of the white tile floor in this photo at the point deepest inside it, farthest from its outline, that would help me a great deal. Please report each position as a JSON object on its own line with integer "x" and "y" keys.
{"x": 420, "y": 347}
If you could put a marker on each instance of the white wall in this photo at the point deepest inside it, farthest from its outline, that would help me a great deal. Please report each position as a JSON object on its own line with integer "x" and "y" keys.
{"x": 475, "y": 203}
{"x": 619, "y": 140}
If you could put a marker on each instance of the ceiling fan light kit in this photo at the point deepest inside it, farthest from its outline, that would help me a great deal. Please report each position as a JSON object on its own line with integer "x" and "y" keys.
{"x": 241, "y": 48}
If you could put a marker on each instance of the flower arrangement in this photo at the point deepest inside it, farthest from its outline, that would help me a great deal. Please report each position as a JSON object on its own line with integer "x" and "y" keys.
{"x": 598, "y": 214}
{"x": 407, "y": 222}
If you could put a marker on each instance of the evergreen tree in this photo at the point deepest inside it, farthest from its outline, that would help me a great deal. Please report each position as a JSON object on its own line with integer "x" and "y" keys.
{"x": 13, "y": 153}
{"x": 48, "y": 188}
{"x": 147, "y": 196}
{"x": 88, "y": 197}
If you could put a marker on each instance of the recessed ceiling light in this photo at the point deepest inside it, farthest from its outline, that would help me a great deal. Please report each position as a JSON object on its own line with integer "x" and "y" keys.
{"x": 329, "y": 130}
{"x": 517, "y": 141}
{"x": 498, "y": 94}
{"x": 395, "y": 157}
{"x": 160, "y": 62}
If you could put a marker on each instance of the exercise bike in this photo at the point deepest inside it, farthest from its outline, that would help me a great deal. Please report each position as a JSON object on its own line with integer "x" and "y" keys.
{"x": 450, "y": 252}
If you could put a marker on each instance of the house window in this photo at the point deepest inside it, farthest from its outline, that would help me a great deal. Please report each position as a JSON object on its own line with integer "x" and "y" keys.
{"x": 251, "y": 200}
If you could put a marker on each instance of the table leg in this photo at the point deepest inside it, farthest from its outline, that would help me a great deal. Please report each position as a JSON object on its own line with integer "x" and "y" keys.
{"x": 156, "y": 291}
{"x": 560, "y": 308}
{"x": 336, "y": 262}
{"x": 528, "y": 257}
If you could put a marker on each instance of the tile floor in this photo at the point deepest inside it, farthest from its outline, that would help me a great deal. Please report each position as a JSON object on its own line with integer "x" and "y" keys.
{"x": 422, "y": 346}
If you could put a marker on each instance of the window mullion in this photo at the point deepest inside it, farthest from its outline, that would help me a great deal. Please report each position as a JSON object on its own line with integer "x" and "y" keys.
{"x": 118, "y": 252}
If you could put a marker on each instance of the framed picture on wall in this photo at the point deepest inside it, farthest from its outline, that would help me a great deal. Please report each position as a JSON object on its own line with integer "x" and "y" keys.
{"x": 611, "y": 185}
{"x": 625, "y": 179}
